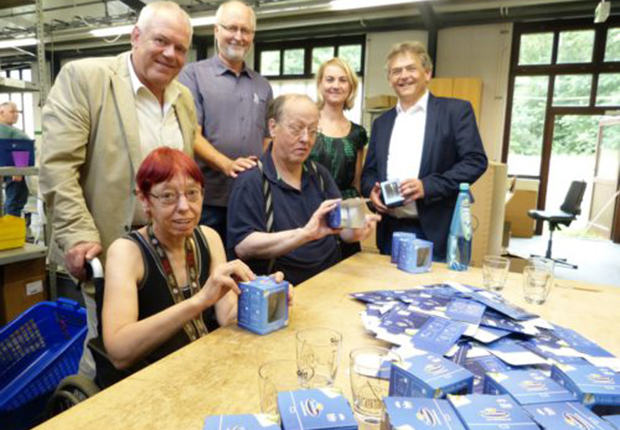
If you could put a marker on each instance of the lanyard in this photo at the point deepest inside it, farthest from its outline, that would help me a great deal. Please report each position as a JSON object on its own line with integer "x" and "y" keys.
{"x": 194, "y": 328}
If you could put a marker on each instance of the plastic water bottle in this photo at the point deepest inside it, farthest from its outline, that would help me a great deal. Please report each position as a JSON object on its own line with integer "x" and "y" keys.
{"x": 459, "y": 239}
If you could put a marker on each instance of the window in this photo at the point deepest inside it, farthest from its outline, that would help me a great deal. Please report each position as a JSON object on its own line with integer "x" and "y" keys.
{"x": 536, "y": 49}
{"x": 608, "y": 90}
{"x": 576, "y": 46}
{"x": 24, "y": 101}
{"x": 301, "y": 59}
{"x": 572, "y": 90}
{"x": 612, "y": 46}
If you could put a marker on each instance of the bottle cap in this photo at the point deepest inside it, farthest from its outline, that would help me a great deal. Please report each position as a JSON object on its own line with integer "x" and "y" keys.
{"x": 464, "y": 186}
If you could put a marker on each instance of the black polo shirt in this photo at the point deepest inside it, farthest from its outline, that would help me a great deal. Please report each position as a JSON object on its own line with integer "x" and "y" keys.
{"x": 291, "y": 209}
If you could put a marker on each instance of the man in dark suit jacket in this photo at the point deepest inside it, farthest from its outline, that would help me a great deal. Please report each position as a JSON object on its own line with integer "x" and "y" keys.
{"x": 429, "y": 145}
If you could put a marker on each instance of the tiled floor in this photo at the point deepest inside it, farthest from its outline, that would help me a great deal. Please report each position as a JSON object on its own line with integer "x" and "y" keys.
{"x": 598, "y": 261}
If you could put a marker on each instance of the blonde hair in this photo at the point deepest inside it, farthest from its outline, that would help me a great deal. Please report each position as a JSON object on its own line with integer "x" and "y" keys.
{"x": 414, "y": 48}
{"x": 162, "y": 7}
{"x": 351, "y": 76}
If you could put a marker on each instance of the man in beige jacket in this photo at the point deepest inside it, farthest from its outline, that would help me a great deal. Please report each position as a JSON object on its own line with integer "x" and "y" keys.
{"x": 101, "y": 119}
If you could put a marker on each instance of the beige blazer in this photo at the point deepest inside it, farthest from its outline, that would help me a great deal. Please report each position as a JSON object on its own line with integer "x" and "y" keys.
{"x": 91, "y": 151}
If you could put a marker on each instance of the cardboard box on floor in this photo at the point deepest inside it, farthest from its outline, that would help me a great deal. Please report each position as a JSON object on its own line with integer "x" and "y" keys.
{"x": 522, "y": 197}
{"x": 22, "y": 285}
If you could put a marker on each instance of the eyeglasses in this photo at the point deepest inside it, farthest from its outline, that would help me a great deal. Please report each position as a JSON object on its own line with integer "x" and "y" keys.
{"x": 396, "y": 72}
{"x": 233, "y": 29}
{"x": 170, "y": 198}
{"x": 297, "y": 130}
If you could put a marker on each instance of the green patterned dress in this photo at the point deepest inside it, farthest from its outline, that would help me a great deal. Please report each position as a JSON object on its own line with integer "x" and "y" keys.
{"x": 339, "y": 156}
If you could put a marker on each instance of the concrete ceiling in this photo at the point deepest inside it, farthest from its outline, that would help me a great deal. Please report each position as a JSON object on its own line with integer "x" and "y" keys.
{"x": 67, "y": 22}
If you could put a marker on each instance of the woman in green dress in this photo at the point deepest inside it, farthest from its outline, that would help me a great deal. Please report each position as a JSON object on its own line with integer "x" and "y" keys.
{"x": 340, "y": 143}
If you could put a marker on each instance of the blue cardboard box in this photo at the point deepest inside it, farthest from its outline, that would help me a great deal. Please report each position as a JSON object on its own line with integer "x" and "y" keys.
{"x": 598, "y": 388}
{"x": 315, "y": 409}
{"x": 485, "y": 412}
{"x": 390, "y": 192}
{"x": 407, "y": 413}
{"x": 263, "y": 305}
{"x": 414, "y": 255}
{"x": 527, "y": 387}
{"x": 481, "y": 366}
{"x": 566, "y": 416}
{"x": 430, "y": 376}
{"x": 242, "y": 422}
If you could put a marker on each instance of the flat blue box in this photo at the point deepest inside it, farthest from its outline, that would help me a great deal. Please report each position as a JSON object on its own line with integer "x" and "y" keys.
{"x": 566, "y": 416}
{"x": 407, "y": 413}
{"x": 238, "y": 422}
{"x": 263, "y": 305}
{"x": 429, "y": 376}
{"x": 315, "y": 409}
{"x": 527, "y": 387}
{"x": 598, "y": 388}
{"x": 484, "y": 412}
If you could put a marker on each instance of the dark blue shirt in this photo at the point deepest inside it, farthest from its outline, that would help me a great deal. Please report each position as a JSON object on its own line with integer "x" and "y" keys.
{"x": 292, "y": 209}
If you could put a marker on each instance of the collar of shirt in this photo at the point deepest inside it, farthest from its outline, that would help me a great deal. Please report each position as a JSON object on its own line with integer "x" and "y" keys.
{"x": 421, "y": 105}
{"x": 221, "y": 68}
{"x": 272, "y": 174}
{"x": 171, "y": 94}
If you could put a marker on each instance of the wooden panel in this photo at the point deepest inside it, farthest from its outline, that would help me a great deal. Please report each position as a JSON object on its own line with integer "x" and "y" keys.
{"x": 488, "y": 212}
{"x": 469, "y": 89}
{"x": 441, "y": 87}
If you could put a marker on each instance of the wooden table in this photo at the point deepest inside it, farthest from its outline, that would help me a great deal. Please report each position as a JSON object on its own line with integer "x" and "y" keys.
{"x": 218, "y": 373}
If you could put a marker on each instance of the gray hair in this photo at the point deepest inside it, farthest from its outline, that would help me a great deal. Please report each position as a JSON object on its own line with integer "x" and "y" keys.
{"x": 162, "y": 7}
{"x": 278, "y": 105}
{"x": 415, "y": 48}
{"x": 227, "y": 4}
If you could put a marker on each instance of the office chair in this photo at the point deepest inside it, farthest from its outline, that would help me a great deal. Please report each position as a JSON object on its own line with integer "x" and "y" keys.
{"x": 567, "y": 213}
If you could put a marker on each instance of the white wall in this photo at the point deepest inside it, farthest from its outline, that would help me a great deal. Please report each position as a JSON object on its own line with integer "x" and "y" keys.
{"x": 480, "y": 52}
{"x": 377, "y": 47}
{"x": 475, "y": 51}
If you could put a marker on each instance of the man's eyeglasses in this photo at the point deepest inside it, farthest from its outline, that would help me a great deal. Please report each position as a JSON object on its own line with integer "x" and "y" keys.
{"x": 396, "y": 72}
{"x": 233, "y": 29}
{"x": 170, "y": 198}
{"x": 297, "y": 130}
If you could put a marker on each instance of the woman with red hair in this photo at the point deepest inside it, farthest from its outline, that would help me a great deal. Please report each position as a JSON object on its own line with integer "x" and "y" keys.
{"x": 168, "y": 283}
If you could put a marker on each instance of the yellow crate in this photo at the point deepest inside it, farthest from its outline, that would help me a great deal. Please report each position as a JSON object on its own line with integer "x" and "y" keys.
{"x": 12, "y": 232}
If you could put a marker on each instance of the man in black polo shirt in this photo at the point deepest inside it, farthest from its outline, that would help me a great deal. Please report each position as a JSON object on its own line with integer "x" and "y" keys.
{"x": 301, "y": 244}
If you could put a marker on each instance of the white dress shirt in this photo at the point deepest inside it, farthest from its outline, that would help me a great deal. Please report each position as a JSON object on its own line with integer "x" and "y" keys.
{"x": 157, "y": 126}
{"x": 405, "y": 151}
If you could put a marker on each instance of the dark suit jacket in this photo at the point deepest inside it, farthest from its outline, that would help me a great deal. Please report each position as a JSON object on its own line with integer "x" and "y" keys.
{"x": 452, "y": 153}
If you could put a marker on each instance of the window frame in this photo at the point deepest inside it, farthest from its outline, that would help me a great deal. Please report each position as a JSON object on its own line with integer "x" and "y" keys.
{"x": 307, "y": 46}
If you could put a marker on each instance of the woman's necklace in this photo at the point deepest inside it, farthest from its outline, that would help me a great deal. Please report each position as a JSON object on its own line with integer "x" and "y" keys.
{"x": 194, "y": 328}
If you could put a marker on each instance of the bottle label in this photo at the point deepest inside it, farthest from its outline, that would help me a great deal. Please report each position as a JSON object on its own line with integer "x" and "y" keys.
{"x": 466, "y": 219}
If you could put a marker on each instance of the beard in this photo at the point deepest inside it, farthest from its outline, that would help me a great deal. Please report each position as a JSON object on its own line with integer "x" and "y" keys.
{"x": 234, "y": 52}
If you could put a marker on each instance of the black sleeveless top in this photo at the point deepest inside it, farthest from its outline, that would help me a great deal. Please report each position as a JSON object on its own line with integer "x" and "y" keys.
{"x": 154, "y": 296}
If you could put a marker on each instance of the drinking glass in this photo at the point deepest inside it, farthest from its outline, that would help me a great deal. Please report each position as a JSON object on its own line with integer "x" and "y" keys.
{"x": 494, "y": 272}
{"x": 279, "y": 375}
{"x": 370, "y": 373}
{"x": 537, "y": 283}
{"x": 318, "y": 350}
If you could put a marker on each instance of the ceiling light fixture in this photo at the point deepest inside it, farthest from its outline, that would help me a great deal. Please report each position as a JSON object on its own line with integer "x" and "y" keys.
{"x": 112, "y": 31}
{"x": 16, "y": 43}
{"x": 361, "y": 4}
{"x": 602, "y": 12}
{"x": 126, "y": 29}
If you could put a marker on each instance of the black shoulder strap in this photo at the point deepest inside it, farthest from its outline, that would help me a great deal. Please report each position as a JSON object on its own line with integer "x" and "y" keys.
{"x": 268, "y": 210}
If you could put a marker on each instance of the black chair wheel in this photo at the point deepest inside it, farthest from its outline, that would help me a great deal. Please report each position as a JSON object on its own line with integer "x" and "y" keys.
{"x": 71, "y": 391}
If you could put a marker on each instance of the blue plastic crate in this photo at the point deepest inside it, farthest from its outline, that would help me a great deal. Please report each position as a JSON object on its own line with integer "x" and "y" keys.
{"x": 37, "y": 350}
{"x": 7, "y": 146}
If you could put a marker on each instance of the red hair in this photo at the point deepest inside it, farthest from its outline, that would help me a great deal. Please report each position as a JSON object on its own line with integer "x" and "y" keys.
{"x": 163, "y": 164}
